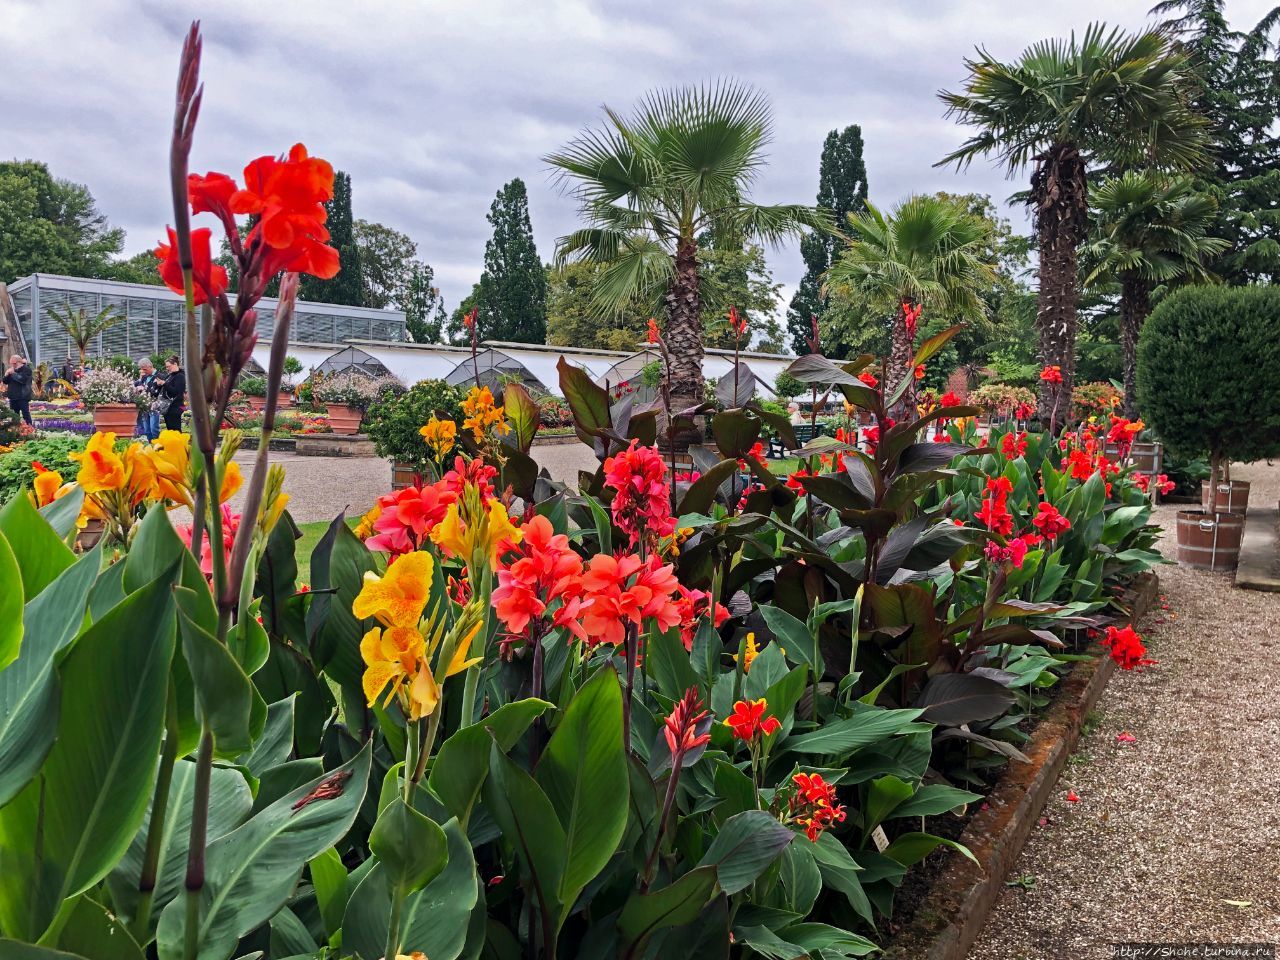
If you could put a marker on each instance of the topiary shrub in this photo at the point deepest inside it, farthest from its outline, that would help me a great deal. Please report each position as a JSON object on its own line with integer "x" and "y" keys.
{"x": 393, "y": 423}
{"x": 1207, "y": 383}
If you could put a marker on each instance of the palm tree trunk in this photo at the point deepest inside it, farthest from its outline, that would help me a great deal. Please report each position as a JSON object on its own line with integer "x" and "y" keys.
{"x": 684, "y": 331}
{"x": 1059, "y": 193}
{"x": 899, "y": 367}
{"x": 1135, "y": 304}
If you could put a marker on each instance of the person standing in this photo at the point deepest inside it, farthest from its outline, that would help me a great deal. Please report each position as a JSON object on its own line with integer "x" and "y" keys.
{"x": 173, "y": 388}
{"x": 17, "y": 384}
{"x": 148, "y": 416}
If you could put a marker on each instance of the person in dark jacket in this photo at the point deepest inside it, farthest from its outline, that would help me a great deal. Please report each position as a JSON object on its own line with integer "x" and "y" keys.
{"x": 173, "y": 387}
{"x": 148, "y": 419}
{"x": 17, "y": 385}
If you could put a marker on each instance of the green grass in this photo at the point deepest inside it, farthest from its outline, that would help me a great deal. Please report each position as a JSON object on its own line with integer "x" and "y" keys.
{"x": 311, "y": 534}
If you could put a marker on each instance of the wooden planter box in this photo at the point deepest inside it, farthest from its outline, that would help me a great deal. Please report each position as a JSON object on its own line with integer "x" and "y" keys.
{"x": 402, "y": 474}
{"x": 1226, "y": 498}
{"x": 1209, "y": 541}
{"x": 118, "y": 418}
{"x": 344, "y": 419}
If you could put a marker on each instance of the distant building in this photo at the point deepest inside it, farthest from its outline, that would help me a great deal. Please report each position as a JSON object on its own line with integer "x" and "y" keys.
{"x": 154, "y": 318}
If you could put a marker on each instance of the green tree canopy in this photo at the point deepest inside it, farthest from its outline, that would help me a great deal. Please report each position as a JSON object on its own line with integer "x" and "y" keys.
{"x": 422, "y": 304}
{"x": 348, "y": 286}
{"x": 387, "y": 260}
{"x": 49, "y": 225}
{"x": 842, "y": 190}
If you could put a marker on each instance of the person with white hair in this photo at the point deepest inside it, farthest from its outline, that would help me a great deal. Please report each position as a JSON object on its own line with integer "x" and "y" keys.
{"x": 148, "y": 418}
{"x": 17, "y": 385}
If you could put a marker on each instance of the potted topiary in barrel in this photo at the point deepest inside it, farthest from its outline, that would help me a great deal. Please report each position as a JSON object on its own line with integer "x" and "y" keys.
{"x": 395, "y": 426}
{"x": 1207, "y": 385}
{"x": 292, "y": 367}
{"x": 255, "y": 392}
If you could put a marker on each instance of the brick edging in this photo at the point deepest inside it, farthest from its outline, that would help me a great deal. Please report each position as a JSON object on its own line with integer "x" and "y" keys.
{"x": 954, "y": 911}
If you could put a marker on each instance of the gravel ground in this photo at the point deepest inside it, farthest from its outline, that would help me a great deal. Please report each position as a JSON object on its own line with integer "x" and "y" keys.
{"x": 1176, "y": 837}
{"x": 319, "y": 487}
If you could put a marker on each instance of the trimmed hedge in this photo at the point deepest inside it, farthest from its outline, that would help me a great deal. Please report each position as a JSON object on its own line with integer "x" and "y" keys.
{"x": 1209, "y": 372}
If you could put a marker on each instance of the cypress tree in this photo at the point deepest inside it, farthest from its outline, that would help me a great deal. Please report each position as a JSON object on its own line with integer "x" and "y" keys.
{"x": 512, "y": 293}
{"x": 348, "y": 286}
{"x": 842, "y": 189}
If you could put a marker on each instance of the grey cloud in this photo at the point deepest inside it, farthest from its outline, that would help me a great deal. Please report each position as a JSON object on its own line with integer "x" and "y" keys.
{"x": 431, "y": 107}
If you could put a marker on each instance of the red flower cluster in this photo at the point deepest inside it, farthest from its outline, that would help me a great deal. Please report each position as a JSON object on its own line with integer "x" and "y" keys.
{"x": 1015, "y": 552}
{"x": 653, "y": 334}
{"x": 1013, "y": 445}
{"x": 230, "y": 524}
{"x": 951, "y": 399}
{"x": 1051, "y": 374}
{"x": 1162, "y": 482}
{"x": 615, "y": 590}
{"x": 544, "y": 569}
{"x": 869, "y": 379}
{"x": 871, "y": 435}
{"x": 1049, "y": 521}
{"x": 737, "y": 323}
{"x": 1127, "y": 648}
{"x": 475, "y": 473}
{"x": 814, "y": 805}
{"x": 406, "y": 517}
{"x": 693, "y": 605}
{"x": 919, "y": 371}
{"x": 1024, "y": 411}
{"x": 681, "y": 727}
{"x": 1123, "y": 432}
{"x": 910, "y": 316}
{"x": 757, "y": 454}
{"x": 793, "y": 480}
{"x": 208, "y": 279}
{"x": 642, "y": 503}
{"x": 995, "y": 511}
{"x": 748, "y": 720}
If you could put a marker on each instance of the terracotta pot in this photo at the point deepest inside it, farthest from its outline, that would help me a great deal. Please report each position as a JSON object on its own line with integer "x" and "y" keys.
{"x": 283, "y": 400}
{"x": 343, "y": 418}
{"x": 402, "y": 474}
{"x": 256, "y": 404}
{"x": 88, "y": 538}
{"x": 1227, "y": 498}
{"x": 118, "y": 418}
{"x": 1209, "y": 541}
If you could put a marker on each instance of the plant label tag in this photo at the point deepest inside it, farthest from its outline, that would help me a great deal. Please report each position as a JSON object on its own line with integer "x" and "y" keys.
{"x": 880, "y": 838}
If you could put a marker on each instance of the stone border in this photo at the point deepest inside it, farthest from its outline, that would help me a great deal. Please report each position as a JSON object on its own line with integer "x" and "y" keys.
{"x": 555, "y": 440}
{"x": 953, "y": 913}
{"x": 1259, "y": 549}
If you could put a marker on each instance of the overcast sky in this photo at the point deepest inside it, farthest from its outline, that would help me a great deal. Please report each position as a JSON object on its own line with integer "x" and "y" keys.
{"x": 432, "y": 106}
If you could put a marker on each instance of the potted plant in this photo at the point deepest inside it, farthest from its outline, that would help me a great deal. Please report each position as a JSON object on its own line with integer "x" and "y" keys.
{"x": 111, "y": 396}
{"x": 395, "y": 423}
{"x": 348, "y": 395}
{"x": 255, "y": 391}
{"x": 1206, "y": 385}
{"x": 292, "y": 367}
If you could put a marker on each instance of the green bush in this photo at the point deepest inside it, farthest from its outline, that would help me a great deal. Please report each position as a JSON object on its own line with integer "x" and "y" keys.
{"x": 393, "y": 422}
{"x": 253, "y": 386}
{"x": 53, "y": 451}
{"x": 787, "y": 386}
{"x": 1207, "y": 362}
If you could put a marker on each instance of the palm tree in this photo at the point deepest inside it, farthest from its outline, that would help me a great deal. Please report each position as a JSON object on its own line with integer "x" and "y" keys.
{"x": 82, "y": 328}
{"x": 1148, "y": 230}
{"x": 930, "y": 252}
{"x": 650, "y": 184}
{"x": 1109, "y": 99}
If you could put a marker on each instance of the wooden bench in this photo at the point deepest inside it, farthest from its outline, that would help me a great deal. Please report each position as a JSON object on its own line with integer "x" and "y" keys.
{"x": 804, "y": 432}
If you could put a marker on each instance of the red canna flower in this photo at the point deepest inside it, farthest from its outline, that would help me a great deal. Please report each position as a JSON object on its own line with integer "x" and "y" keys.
{"x": 1013, "y": 445}
{"x": 681, "y": 727}
{"x": 910, "y": 315}
{"x": 469, "y": 321}
{"x": 814, "y": 805}
{"x": 867, "y": 377}
{"x": 1164, "y": 484}
{"x": 1127, "y": 648}
{"x": 1049, "y": 521}
{"x": 951, "y": 399}
{"x": 1126, "y": 737}
{"x": 1051, "y": 374}
{"x": 994, "y": 512}
{"x": 1014, "y": 552}
{"x": 748, "y": 720}
{"x": 208, "y": 278}
{"x": 211, "y": 193}
{"x": 653, "y": 334}
{"x": 919, "y": 371}
{"x": 737, "y": 323}
{"x": 642, "y": 502}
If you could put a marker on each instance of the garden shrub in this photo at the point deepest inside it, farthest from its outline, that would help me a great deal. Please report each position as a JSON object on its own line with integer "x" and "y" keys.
{"x": 393, "y": 423}
{"x": 54, "y": 451}
{"x": 1000, "y": 398}
{"x": 1207, "y": 363}
{"x": 1093, "y": 399}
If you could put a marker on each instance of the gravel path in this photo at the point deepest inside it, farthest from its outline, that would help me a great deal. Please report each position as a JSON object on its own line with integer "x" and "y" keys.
{"x": 1176, "y": 837}
{"x": 319, "y": 487}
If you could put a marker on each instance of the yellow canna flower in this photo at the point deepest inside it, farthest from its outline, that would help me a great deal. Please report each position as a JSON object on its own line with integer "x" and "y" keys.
{"x": 450, "y": 535}
{"x": 231, "y": 481}
{"x": 500, "y": 530}
{"x": 101, "y": 468}
{"x": 398, "y": 598}
{"x": 440, "y": 436}
{"x": 475, "y": 541}
{"x": 143, "y": 481}
{"x": 391, "y": 658}
{"x": 416, "y": 955}
{"x": 749, "y": 653}
{"x": 481, "y": 415}
{"x": 364, "y": 529}
{"x": 171, "y": 455}
{"x": 46, "y": 484}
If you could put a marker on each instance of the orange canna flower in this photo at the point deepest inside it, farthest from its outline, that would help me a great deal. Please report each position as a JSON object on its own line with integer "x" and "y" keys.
{"x": 208, "y": 279}
{"x": 101, "y": 468}
{"x": 232, "y": 480}
{"x": 46, "y": 484}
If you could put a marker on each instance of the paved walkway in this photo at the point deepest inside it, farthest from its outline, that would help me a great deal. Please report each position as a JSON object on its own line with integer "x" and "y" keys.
{"x": 319, "y": 487}
{"x": 1176, "y": 837}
